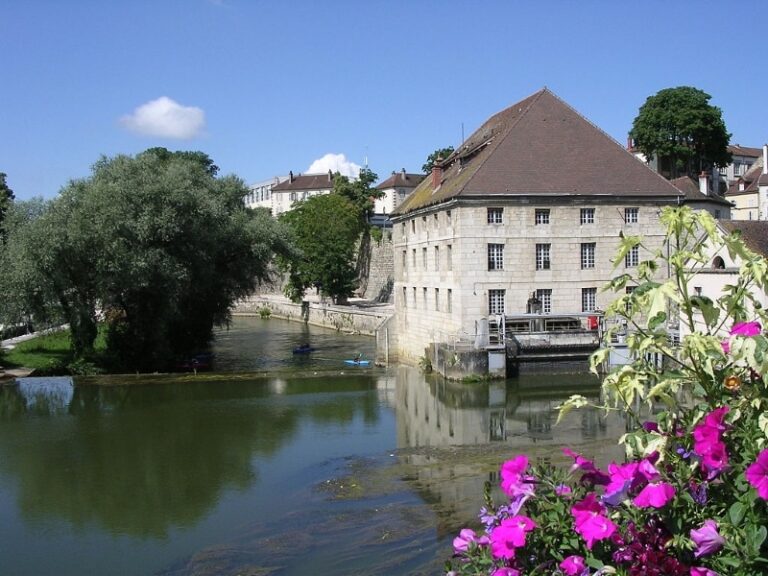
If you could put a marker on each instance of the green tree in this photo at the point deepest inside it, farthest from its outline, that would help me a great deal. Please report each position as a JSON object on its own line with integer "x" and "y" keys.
{"x": 359, "y": 192}
{"x": 156, "y": 244}
{"x": 432, "y": 158}
{"x": 6, "y": 197}
{"x": 680, "y": 128}
{"x": 325, "y": 229}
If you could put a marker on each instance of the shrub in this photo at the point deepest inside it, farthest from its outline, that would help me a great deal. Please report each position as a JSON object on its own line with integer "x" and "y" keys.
{"x": 265, "y": 312}
{"x": 691, "y": 496}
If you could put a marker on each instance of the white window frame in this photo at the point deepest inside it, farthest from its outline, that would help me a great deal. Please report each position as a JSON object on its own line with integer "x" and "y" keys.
{"x": 495, "y": 215}
{"x": 632, "y": 258}
{"x": 631, "y": 215}
{"x": 544, "y": 295}
{"x": 495, "y": 256}
{"x": 543, "y": 256}
{"x": 588, "y": 255}
{"x": 496, "y": 301}
{"x": 588, "y": 299}
{"x": 587, "y": 216}
{"x": 541, "y": 216}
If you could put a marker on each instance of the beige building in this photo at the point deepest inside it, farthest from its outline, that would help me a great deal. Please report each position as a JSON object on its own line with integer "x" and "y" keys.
{"x": 395, "y": 190}
{"x": 532, "y": 204}
{"x": 749, "y": 193}
{"x": 297, "y": 188}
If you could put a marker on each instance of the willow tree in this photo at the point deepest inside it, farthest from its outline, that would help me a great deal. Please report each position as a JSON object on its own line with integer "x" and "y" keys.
{"x": 158, "y": 246}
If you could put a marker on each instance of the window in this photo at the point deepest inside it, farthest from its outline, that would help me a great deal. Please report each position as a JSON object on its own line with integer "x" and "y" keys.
{"x": 413, "y": 226}
{"x": 414, "y": 297}
{"x": 496, "y": 301}
{"x": 402, "y": 229}
{"x": 405, "y": 260}
{"x": 292, "y": 196}
{"x": 587, "y": 216}
{"x": 542, "y": 216}
{"x": 405, "y": 297}
{"x": 632, "y": 257}
{"x": 437, "y": 299}
{"x": 413, "y": 260}
{"x": 436, "y": 220}
{"x": 631, "y": 215}
{"x": 449, "y": 263}
{"x": 424, "y": 296}
{"x": 542, "y": 256}
{"x": 449, "y": 302}
{"x": 495, "y": 256}
{"x": 545, "y": 297}
{"x": 588, "y": 255}
{"x": 437, "y": 257}
{"x": 424, "y": 257}
{"x": 717, "y": 214}
{"x": 697, "y": 290}
{"x": 495, "y": 215}
{"x": 588, "y": 299}
{"x": 718, "y": 263}
{"x": 448, "y": 216}
{"x": 424, "y": 223}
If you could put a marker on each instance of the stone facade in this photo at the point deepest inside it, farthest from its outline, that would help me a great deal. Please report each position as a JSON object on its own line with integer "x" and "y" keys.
{"x": 442, "y": 276}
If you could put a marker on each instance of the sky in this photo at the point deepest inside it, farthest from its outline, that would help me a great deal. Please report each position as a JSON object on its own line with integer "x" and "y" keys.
{"x": 270, "y": 86}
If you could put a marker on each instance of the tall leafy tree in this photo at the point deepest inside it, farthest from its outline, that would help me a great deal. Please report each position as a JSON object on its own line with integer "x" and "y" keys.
{"x": 683, "y": 131}
{"x": 326, "y": 230}
{"x": 359, "y": 192}
{"x": 157, "y": 244}
{"x": 432, "y": 158}
{"x": 6, "y": 197}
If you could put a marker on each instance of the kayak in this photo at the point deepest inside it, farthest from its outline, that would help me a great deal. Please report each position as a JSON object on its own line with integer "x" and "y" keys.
{"x": 357, "y": 362}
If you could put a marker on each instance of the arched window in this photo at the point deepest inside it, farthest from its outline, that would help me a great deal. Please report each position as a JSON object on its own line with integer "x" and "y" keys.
{"x": 718, "y": 263}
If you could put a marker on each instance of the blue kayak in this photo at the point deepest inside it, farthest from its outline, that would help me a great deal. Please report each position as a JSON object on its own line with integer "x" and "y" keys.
{"x": 357, "y": 362}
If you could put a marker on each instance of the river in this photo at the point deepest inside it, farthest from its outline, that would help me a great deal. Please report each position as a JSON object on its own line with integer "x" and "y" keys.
{"x": 314, "y": 468}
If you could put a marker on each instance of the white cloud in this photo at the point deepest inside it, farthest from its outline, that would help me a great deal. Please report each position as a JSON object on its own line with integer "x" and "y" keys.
{"x": 166, "y": 118}
{"x": 335, "y": 163}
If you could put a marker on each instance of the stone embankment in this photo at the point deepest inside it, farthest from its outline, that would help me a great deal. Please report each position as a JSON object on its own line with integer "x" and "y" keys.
{"x": 358, "y": 317}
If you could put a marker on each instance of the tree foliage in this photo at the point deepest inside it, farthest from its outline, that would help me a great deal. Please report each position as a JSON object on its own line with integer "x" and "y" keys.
{"x": 6, "y": 197}
{"x": 359, "y": 192}
{"x": 156, "y": 244}
{"x": 432, "y": 158}
{"x": 326, "y": 230}
{"x": 680, "y": 128}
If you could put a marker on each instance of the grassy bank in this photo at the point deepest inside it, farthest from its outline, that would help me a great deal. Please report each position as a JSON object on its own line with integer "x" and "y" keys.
{"x": 51, "y": 354}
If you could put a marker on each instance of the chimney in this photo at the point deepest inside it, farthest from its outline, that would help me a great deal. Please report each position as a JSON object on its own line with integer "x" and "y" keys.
{"x": 437, "y": 173}
{"x": 330, "y": 175}
{"x": 765, "y": 158}
{"x": 629, "y": 143}
{"x": 402, "y": 171}
{"x": 290, "y": 176}
{"x": 704, "y": 183}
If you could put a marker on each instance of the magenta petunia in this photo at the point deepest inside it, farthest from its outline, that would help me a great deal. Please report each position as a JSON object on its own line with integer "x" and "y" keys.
{"x": 701, "y": 571}
{"x": 505, "y": 572}
{"x": 462, "y": 542}
{"x": 655, "y": 494}
{"x": 757, "y": 474}
{"x": 573, "y": 565}
{"x": 510, "y": 535}
{"x": 592, "y": 474}
{"x": 745, "y": 329}
{"x": 707, "y": 539}
{"x": 590, "y": 520}
{"x": 514, "y": 480}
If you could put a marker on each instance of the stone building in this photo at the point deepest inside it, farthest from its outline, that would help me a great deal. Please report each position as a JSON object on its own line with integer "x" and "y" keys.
{"x": 395, "y": 190}
{"x": 296, "y": 188}
{"x": 749, "y": 193}
{"x": 527, "y": 211}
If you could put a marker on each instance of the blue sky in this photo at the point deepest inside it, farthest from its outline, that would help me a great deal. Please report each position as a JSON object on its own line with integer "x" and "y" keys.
{"x": 265, "y": 87}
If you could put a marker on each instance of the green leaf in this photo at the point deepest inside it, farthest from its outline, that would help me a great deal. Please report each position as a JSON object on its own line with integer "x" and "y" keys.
{"x": 736, "y": 513}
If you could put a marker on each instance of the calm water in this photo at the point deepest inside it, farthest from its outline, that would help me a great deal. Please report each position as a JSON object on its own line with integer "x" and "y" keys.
{"x": 321, "y": 470}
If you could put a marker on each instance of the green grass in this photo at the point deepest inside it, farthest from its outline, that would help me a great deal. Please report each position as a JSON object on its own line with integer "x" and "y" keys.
{"x": 45, "y": 352}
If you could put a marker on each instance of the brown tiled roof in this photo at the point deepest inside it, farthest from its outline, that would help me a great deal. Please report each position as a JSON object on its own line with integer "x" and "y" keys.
{"x": 737, "y": 150}
{"x": 751, "y": 180}
{"x": 690, "y": 188}
{"x": 753, "y": 232}
{"x": 542, "y": 147}
{"x": 401, "y": 180}
{"x": 305, "y": 182}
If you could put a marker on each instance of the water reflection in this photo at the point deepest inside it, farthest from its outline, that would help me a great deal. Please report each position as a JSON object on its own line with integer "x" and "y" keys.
{"x": 205, "y": 474}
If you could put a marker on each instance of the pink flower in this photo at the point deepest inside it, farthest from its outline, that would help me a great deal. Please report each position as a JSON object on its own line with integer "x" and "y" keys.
{"x": 514, "y": 481}
{"x": 510, "y": 535}
{"x": 462, "y": 542}
{"x": 757, "y": 474}
{"x": 655, "y": 494}
{"x": 592, "y": 474}
{"x": 505, "y": 572}
{"x": 707, "y": 539}
{"x": 563, "y": 490}
{"x": 745, "y": 329}
{"x": 700, "y": 571}
{"x": 707, "y": 442}
{"x": 573, "y": 565}
{"x": 590, "y": 520}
